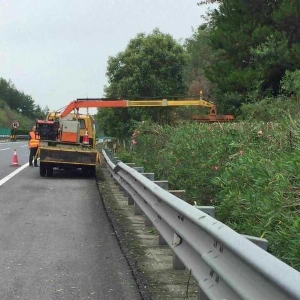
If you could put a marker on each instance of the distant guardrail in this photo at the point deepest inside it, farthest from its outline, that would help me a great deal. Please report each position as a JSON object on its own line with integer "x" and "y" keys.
{"x": 14, "y": 137}
{"x": 225, "y": 264}
{"x": 21, "y": 137}
{"x": 4, "y": 137}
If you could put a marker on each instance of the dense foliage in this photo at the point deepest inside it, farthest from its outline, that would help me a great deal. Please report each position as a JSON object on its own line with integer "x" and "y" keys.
{"x": 254, "y": 43}
{"x": 248, "y": 171}
{"x": 150, "y": 66}
{"x": 199, "y": 56}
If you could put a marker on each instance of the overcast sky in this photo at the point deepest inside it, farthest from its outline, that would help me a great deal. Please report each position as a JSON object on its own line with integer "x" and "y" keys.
{"x": 57, "y": 50}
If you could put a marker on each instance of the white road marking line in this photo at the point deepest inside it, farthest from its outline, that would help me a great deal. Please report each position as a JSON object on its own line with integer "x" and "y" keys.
{"x": 4, "y": 149}
{"x": 11, "y": 175}
{"x": 23, "y": 146}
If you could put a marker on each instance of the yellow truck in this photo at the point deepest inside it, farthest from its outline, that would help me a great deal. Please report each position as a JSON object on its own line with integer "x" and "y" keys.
{"x": 67, "y": 143}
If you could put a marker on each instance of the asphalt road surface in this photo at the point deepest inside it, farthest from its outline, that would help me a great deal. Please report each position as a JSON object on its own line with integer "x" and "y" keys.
{"x": 55, "y": 238}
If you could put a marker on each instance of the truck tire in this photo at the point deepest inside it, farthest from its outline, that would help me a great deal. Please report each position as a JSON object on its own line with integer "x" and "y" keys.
{"x": 92, "y": 171}
{"x": 50, "y": 171}
{"x": 85, "y": 171}
{"x": 88, "y": 171}
{"x": 42, "y": 170}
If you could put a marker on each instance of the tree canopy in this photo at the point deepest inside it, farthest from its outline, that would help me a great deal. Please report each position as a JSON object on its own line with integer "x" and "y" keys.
{"x": 151, "y": 66}
{"x": 199, "y": 56}
{"x": 256, "y": 42}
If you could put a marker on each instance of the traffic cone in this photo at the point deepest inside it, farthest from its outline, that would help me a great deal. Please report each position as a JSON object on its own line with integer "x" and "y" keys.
{"x": 15, "y": 160}
{"x": 86, "y": 140}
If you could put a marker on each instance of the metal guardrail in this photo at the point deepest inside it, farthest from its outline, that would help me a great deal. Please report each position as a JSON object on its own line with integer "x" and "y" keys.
{"x": 21, "y": 137}
{"x": 225, "y": 264}
{"x": 15, "y": 137}
{"x": 4, "y": 138}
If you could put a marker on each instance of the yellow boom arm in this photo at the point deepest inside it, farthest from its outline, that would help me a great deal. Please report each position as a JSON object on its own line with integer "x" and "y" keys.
{"x": 80, "y": 103}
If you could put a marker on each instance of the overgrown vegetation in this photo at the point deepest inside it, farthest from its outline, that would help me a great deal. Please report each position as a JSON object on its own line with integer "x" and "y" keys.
{"x": 248, "y": 171}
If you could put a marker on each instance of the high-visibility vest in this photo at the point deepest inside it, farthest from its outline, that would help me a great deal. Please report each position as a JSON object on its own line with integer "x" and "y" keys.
{"x": 34, "y": 140}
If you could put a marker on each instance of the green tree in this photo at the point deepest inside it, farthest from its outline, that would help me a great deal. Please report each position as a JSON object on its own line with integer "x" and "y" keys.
{"x": 18, "y": 101}
{"x": 199, "y": 57}
{"x": 151, "y": 66}
{"x": 257, "y": 41}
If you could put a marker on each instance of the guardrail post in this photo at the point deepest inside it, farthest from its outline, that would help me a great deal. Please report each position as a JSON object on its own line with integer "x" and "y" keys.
{"x": 150, "y": 176}
{"x": 121, "y": 188}
{"x": 209, "y": 210}
{"x": 164, "y": 184}
{"x": 137, "y": 210}
{"x": 177, "y": 263}
{"x": 148, "y": 222}
{"x": 201, "y": 295}
{"x": 139, "y": 169}
{"x": 260, "y": 242}
{"x": 130, "y": 201}
{"x": 178, "y": 193}
{"x": 131, "y": 165}
{"x": 161, "y": 241}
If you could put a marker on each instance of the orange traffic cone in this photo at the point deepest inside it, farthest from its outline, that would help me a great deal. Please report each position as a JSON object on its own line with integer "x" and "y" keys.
{"x": 85, "y": 140}
{"x": 15, "y": 160}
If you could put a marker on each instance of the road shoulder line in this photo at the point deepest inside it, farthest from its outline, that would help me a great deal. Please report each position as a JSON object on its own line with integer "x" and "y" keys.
{"x": 11, "y": 175}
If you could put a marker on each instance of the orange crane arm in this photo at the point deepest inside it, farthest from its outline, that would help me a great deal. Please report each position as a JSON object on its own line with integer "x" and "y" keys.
{"x": 80, "y": 103}
{"x": 92, "y": 103}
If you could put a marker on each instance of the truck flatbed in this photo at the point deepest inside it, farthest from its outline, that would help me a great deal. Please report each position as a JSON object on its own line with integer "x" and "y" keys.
{"x": 64, "y": 156}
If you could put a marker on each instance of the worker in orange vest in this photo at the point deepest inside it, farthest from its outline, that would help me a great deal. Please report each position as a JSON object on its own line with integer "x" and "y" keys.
{"x": 33, "y": 145}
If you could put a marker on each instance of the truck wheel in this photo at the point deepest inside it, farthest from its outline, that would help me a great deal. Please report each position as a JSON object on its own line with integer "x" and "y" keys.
{"x": 42, "y": 170}
{"x": 50, "y": 171}
{"x": 85, "y": 171}
{"x": 92, "y": 171}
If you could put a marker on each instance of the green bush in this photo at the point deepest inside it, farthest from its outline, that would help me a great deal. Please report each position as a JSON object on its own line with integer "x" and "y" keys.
{"x": 259, "y": 196}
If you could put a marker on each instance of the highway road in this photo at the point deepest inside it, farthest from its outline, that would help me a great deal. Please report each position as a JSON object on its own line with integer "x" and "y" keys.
{"x": 55, "y": 238}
